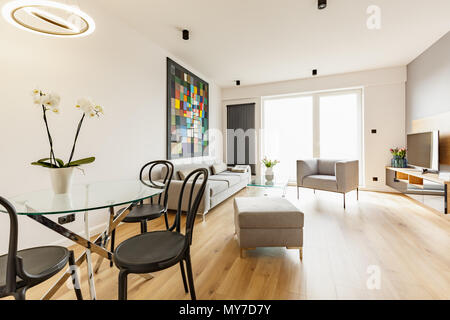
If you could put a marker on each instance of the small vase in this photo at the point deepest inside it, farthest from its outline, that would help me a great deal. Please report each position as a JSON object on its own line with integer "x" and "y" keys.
{"x": 269, "y": 174}
{"x": 61, "y": 180}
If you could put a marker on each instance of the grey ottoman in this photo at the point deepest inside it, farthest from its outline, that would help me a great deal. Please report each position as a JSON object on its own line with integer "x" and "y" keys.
{"x": 268, "y": 222}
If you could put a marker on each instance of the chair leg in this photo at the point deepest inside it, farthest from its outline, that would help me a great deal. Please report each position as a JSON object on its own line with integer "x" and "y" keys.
{"x": 144, "y": 226}
{"x": 344, "y": 200}
{"x": 21, "y": 294}
{"x": 113, "y": 240}
{"x": 183, "y": 275}
{"x": 123, "y": 285}
{"x": 298, "y": 193}
{"x": 190, "y": 278}
{"x": 75, "y": 281}
{"x": 166, "y": 220}
{"x": 357, "y": 194}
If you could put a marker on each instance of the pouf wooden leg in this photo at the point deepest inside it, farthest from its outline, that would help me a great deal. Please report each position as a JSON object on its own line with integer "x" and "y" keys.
{"x": 243, "y": 251}
{"x": 300, "y": 249}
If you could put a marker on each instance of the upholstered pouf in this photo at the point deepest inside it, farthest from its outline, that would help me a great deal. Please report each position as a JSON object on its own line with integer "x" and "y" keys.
{"x": 268, "y": 222}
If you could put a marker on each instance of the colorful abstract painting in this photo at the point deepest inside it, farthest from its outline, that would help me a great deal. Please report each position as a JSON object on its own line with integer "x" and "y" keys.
{"x": 187, "y": 113}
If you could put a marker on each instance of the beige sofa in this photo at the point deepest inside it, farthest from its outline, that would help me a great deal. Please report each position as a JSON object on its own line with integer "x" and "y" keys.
{"x": 220, "y": 186}
{"x": 340, "y": 176}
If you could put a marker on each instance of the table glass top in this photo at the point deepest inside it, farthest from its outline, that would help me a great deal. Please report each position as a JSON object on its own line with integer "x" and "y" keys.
{"x": 261, "y": 181}
{"x": 93, "y": 196}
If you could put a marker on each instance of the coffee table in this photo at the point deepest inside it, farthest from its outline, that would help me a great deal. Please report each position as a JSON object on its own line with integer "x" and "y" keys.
{"x": 278, "y": 182}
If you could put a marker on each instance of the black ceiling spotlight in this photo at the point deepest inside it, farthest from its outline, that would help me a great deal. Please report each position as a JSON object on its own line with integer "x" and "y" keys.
{"x": 322, "y": 4}
{"x": 314, "y": 72}
{"x": 238, "y": 83}
{"x": 185, "y": 34}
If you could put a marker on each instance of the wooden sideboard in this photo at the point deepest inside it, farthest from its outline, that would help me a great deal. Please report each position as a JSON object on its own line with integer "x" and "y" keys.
{"x": 413, "y": 181}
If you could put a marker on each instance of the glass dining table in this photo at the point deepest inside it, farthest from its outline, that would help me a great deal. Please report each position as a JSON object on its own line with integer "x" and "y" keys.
{"x": 85, "y": 199}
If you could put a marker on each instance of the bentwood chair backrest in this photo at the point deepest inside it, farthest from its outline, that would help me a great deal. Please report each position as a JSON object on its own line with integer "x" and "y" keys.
{"x": 196, "y": 191}
{"x": 167, "y": 176}
{"x": 11, "y": 271}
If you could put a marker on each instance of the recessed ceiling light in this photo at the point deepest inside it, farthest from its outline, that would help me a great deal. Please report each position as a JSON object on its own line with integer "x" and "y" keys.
{"x": 49, "y": 18}
{"x": 322, "y": 4}
{"x": 185, "y": 34}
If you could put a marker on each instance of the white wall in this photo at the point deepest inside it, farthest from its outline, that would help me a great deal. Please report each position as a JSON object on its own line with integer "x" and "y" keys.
{"x": 119, "y": 69}
{"x": 383, "y": 109}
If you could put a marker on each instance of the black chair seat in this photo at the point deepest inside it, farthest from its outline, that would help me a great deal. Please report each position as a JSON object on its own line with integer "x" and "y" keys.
{"x": 43, "y": 262}
{"x": 149, "y": 251}
{"x": 144, "y": 212}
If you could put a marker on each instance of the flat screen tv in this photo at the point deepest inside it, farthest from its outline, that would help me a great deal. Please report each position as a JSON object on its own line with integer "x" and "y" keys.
{"x": 423, "y": 150}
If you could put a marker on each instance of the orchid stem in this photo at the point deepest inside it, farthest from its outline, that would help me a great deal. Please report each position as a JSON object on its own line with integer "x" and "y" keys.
{"x": 76, "y": 138}
{"x": 52, "y": 154}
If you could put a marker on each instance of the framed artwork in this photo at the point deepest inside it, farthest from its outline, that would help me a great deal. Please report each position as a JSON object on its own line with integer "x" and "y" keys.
{"x": 187, "y": 113}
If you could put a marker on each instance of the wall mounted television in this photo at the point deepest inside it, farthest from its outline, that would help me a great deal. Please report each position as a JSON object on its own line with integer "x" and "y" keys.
{"x": 423, "y": 150}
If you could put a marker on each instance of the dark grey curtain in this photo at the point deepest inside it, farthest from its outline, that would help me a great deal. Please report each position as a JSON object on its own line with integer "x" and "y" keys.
{"x": 241, "y": 135}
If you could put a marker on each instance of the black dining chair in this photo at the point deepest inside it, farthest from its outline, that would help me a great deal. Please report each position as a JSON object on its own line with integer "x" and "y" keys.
{"x": 141, "y": 213}
{"x": 159, "y": 250}
{"x": 21, "y": 270}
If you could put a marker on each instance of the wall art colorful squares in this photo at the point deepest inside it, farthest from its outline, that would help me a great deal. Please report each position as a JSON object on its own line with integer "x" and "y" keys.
{"x": 187, "y": 113}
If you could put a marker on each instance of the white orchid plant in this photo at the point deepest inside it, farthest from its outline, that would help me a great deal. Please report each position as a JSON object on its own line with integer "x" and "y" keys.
{"x": 49, "y": 102}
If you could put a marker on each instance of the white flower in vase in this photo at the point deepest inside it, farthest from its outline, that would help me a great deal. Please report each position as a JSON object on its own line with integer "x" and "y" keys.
{"x": 51, "y": 100}
{"x": 62, "y": 173}
{"x": 37, "y": 95}
{"x": 89, "y": 108}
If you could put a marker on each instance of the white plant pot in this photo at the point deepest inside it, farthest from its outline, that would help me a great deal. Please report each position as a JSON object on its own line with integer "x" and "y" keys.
{"x": 269, "y": 174}
{"x": 61, "y": 180}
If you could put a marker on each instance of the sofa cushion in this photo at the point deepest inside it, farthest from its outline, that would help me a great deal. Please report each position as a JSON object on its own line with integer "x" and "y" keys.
{"x": 327, "y": 167}
{"x": 186, "y": 167}
{"x": 231, "y": 180}
{"x": 218, "y": 168}
{"x": 267, "y": 213}
{"x": 242, "y": 176}
{"x": 320, "y": 182}
{"x": 217, "y": 187}
{"x": 182, "y": 174}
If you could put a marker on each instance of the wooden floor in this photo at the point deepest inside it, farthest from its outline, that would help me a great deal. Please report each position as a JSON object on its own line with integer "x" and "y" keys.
{"x": 408, "y": 243}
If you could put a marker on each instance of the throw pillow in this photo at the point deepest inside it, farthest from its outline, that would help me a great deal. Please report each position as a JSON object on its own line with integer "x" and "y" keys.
{"x": 219, "y": 168}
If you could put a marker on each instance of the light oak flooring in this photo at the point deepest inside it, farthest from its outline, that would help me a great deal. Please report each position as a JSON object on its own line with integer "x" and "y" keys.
{"x": 408, "y": 243}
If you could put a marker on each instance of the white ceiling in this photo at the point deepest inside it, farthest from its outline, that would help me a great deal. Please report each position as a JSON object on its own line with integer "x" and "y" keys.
{"x": 259, "y": 41}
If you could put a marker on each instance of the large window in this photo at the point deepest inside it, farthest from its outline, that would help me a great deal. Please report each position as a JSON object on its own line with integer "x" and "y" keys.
{"x": 288, "y": 131}
{"x": 323, "y": 125}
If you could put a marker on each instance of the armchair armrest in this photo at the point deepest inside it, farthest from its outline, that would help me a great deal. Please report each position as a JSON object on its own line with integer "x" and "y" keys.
{"x": 347, "y": 175}
{"x": 306, "y": 168}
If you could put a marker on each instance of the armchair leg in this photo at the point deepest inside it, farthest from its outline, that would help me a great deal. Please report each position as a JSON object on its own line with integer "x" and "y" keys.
{"x": 357, "y": 193}
{"x": 298, "y": 193}
{"x": 344, "y": 200}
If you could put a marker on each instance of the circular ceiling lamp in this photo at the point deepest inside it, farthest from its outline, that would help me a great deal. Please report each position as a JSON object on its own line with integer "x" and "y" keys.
{"x": 49, "y": 18}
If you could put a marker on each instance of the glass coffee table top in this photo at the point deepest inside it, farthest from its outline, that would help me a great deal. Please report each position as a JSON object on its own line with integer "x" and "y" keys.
{"x": 87, "y": 197}
{"x": 261, "y": 181}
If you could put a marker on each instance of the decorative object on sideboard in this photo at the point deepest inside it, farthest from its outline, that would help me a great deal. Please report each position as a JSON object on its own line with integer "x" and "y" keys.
{"x": 61, "y": 173}
{"x": 49, "y": 18}
{"x": 399, "y": 158}
{"x": 269, "y": 164}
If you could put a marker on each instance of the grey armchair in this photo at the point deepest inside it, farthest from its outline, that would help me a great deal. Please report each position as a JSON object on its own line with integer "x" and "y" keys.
{"x": 340, "y": 176}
